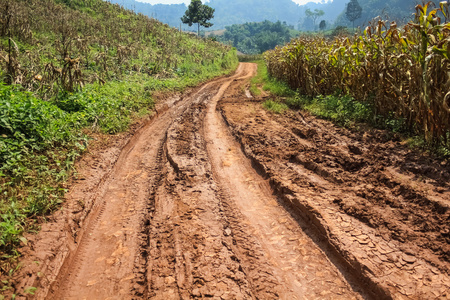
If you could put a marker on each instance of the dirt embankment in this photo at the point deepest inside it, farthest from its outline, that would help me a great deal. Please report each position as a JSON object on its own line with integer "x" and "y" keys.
{"x": 216, "y": 198}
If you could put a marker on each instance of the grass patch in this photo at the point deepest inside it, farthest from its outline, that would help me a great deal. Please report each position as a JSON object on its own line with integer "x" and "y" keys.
{"x": 269, "y": 84}
{"x": 277, "y": 88}
{"x": 343, "y": 110}
{"x": 259, "y": 79}
{"x": 274, "y": 106}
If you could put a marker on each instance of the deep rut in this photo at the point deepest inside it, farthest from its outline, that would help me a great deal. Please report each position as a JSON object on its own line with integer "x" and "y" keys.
{"x": 230, "y": 237}
{"x": 297, "y": 263}
{"x": 182, "y": 214}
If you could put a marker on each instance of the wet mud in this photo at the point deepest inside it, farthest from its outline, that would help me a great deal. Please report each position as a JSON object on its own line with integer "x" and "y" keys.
{"x": 214, "y": 197}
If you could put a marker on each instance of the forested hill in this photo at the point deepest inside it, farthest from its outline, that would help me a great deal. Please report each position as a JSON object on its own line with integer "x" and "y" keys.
{"x": 393, "y": 10}
{"x": 229, "y": 12}
{"x": 257, "y": 37}
{"x": 166, "y": 13}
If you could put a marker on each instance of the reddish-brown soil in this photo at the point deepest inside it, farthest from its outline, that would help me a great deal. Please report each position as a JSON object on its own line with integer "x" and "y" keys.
{"x": 214, "y": 197}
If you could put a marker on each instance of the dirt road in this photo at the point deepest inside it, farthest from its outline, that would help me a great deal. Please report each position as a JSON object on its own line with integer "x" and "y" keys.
{"x": 216, "y": 198}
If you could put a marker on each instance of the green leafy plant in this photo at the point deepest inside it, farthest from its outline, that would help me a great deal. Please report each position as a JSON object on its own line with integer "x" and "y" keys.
{"x": 30, "y": 290}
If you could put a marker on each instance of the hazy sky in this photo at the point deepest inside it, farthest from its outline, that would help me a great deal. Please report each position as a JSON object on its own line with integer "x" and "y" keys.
{"x": 188, "y": 1}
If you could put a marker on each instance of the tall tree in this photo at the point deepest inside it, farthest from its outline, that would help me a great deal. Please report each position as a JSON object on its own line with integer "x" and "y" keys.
{"x": 322, "y": 25}
{"x": 314, "y": 15}
{"x": 198, "y": 13}
{"x": 353, "y": 12}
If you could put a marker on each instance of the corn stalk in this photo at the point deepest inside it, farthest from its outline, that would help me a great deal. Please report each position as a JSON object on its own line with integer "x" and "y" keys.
{"x": 405, "y": 71}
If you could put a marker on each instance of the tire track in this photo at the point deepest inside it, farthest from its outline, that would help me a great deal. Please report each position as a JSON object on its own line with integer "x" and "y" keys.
{"x": 297, "y": 263}
{"x": 103, "y": 261}
{"x": 182, "y": 214}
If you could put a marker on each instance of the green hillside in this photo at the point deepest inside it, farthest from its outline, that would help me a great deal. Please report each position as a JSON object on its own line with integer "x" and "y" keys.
{"x": 69, "y": 68}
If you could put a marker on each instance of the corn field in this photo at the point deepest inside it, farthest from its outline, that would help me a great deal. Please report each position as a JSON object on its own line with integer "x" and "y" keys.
{"x": 401, "y": 71}
{"x": 60, "y": 45}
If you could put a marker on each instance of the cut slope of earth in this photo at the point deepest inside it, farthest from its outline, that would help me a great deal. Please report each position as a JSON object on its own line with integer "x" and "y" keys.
{"x": 239, "y": 203}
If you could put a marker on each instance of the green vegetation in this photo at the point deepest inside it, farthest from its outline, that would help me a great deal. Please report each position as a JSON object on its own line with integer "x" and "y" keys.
{"x": 274, "y": 86}
{"x": 276, "y": 107}
{"x": 256, "y": 38}
{"x": 249, "y": 57}
{"x": 258, "y": 80}
{"x": 343, "y": 110}
{"x": 95, "y": 42}
{"x": 73, "y": 68}
{"x": 198, "y": 13}
{"x": 399, "y": 72}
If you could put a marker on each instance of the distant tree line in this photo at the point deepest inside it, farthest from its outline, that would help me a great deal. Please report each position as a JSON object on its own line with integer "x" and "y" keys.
{"x": 256, "y": 38}
{"x": 359, "y": 13}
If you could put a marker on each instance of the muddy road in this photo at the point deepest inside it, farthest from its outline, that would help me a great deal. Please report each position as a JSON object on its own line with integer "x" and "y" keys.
{"x": 215, "y": 197}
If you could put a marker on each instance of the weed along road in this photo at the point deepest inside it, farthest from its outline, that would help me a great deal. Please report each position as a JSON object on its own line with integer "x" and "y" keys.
{"x": 215, "y": 197}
